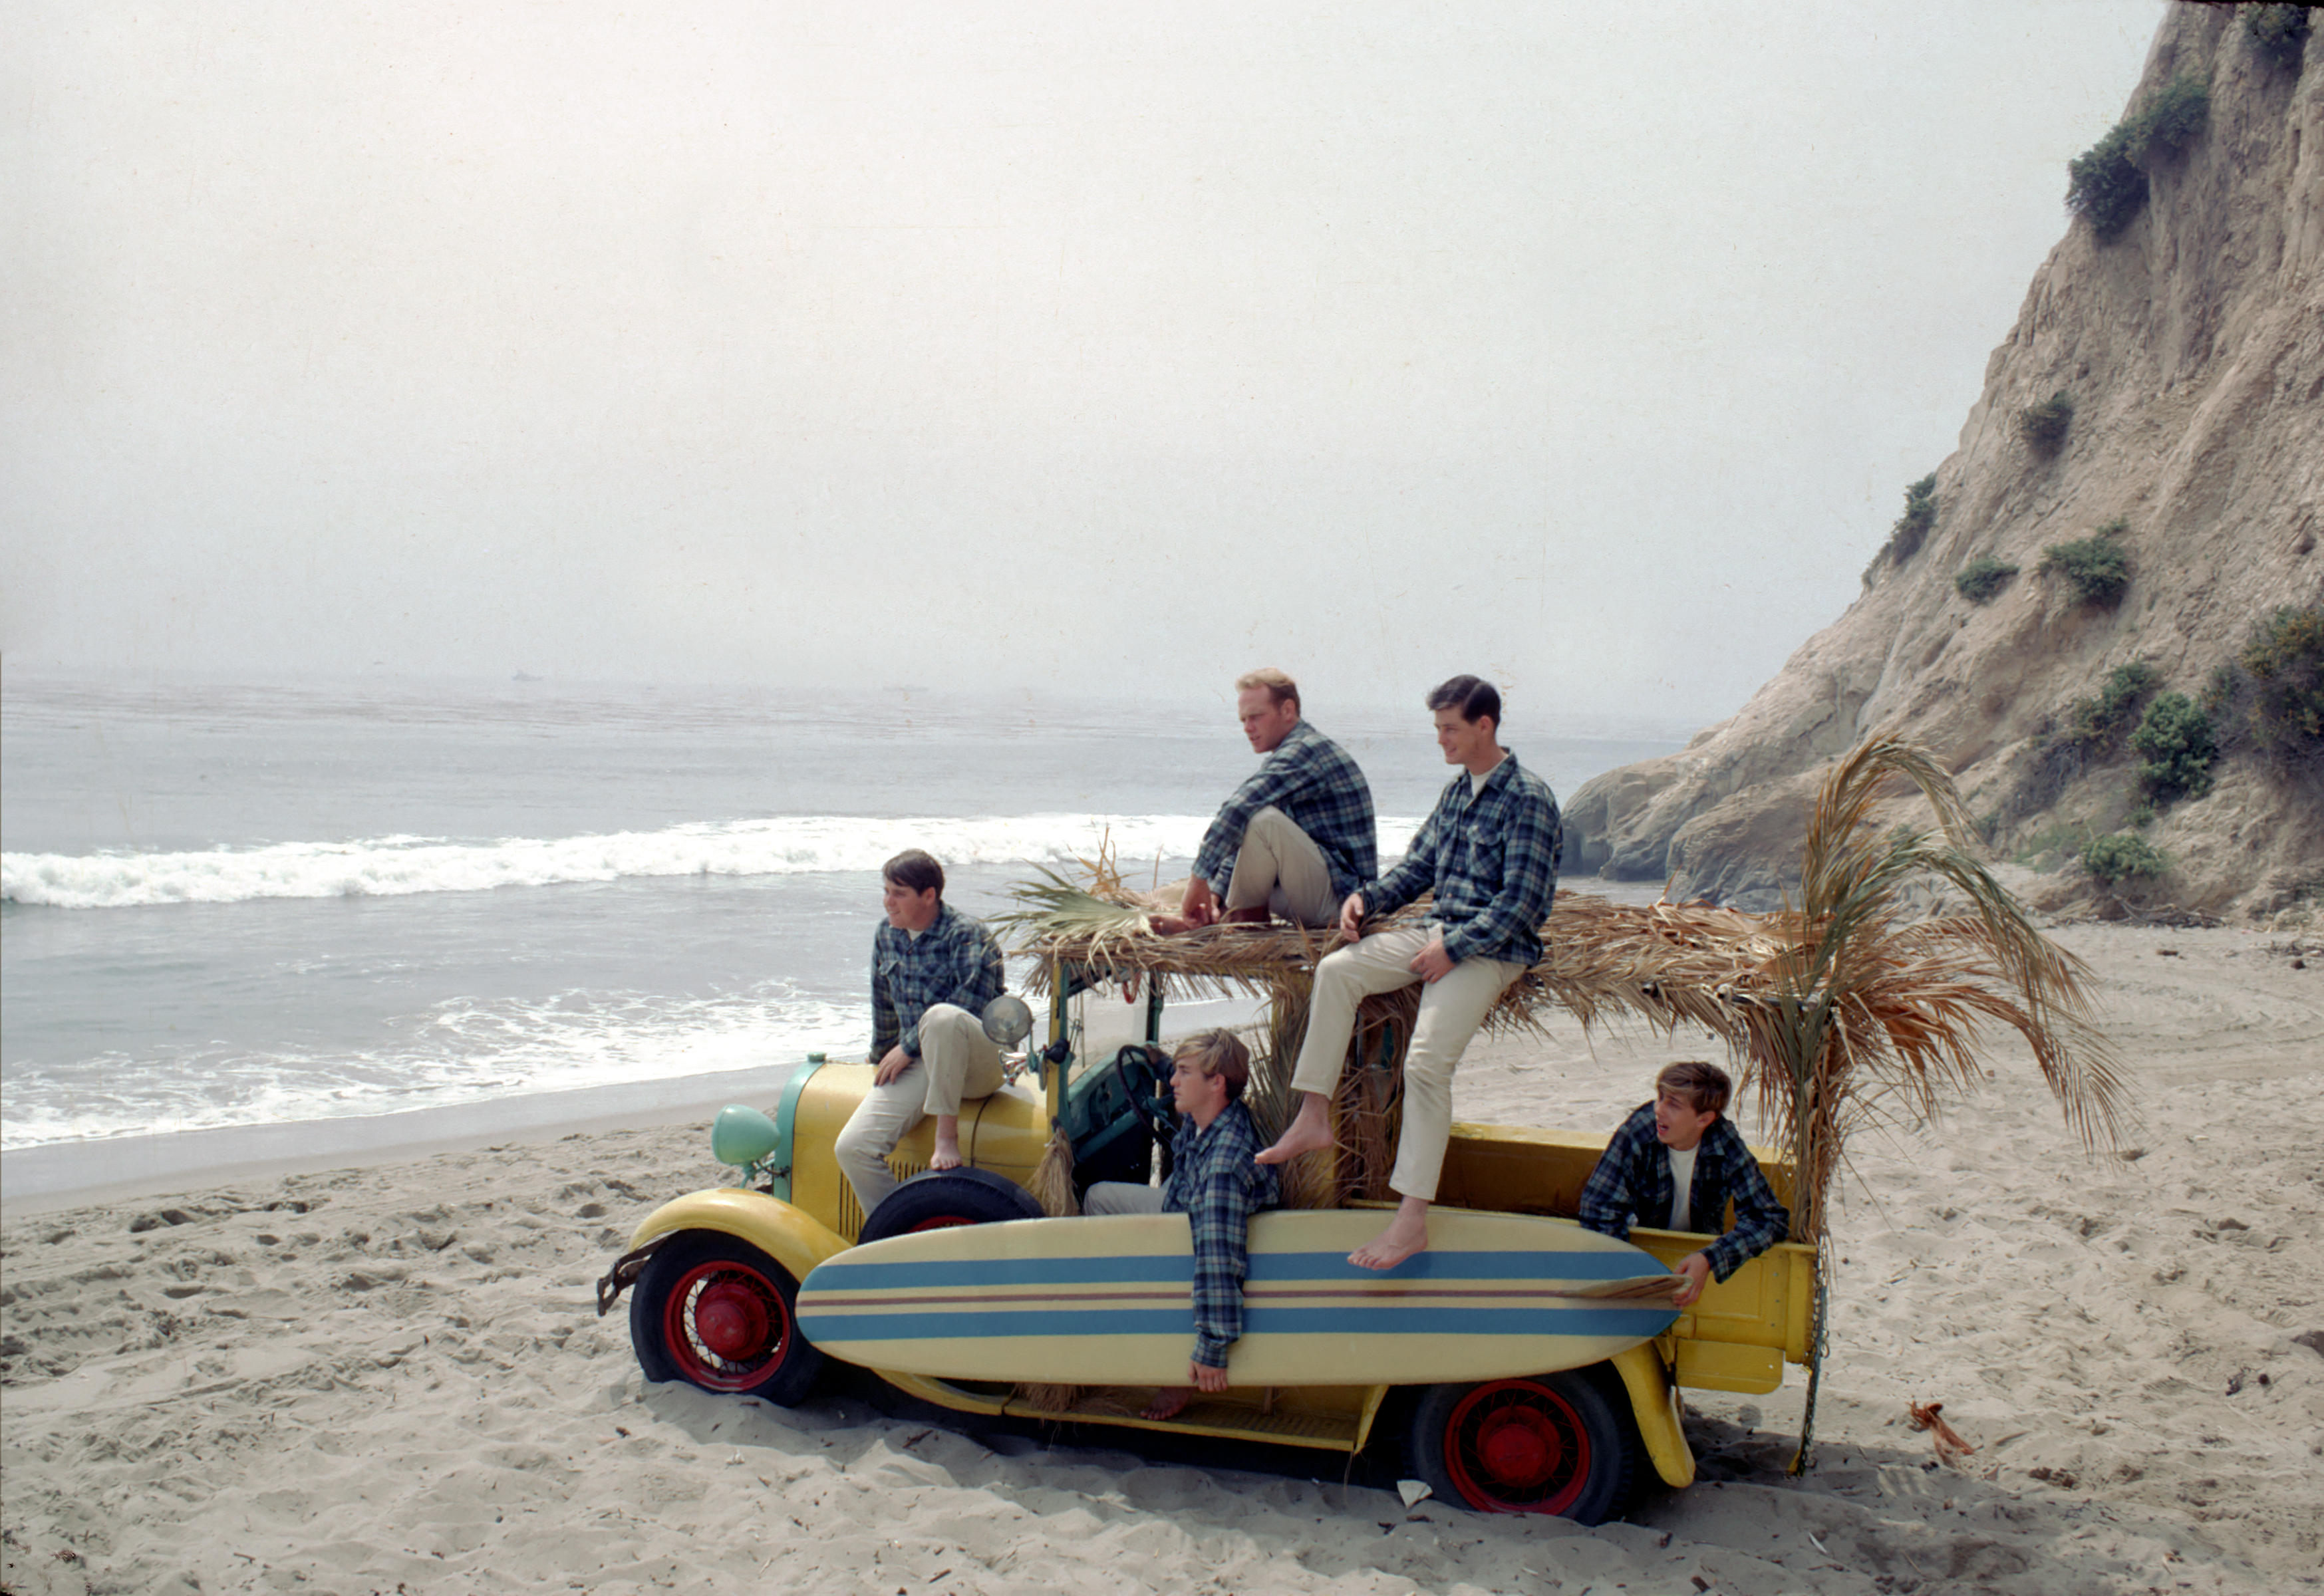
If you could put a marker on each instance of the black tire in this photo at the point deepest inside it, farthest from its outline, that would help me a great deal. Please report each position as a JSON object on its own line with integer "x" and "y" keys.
{"x": 946, "y": 1197}
{"x": 1557, "y": 1444}
{"x": 715, "y": 1311}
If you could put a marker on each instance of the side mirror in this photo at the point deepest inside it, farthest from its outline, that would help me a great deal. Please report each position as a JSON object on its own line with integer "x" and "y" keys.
{"x": 742, "y": 1136}
{"x": 1008, "y": 1021}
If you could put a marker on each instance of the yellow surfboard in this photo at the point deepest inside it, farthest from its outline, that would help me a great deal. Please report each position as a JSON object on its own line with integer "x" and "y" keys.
{"x": 1111, "y": 1301}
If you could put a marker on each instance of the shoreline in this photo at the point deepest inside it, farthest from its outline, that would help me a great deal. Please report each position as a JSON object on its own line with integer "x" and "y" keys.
{"x": 78, "y": 1174}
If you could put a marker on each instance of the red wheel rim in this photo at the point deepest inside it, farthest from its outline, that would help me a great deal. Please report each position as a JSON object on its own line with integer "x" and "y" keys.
{"x": 942, "y": 1222}
{"x": 727, "y": 1325}
{"x": 1517, "y": 1446}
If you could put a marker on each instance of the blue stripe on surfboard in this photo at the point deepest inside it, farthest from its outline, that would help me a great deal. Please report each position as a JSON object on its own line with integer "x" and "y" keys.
{"x": 1635, "y": 1324}
{"x": 829, "y": 1328}
{"x": 844, "y": 1274}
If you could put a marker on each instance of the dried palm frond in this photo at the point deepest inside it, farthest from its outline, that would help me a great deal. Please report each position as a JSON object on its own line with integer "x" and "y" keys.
{"x": 1105, "y": 874}
{"x": 1052, "y": 1185}
{"x": 1872, "y": 1013}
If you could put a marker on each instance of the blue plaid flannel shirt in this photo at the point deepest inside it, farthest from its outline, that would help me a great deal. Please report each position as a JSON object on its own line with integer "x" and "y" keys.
{"x": 1312, "y": 779}
{"x": 956, "y": 960}
{"x": 1633, "y": 1182}
{"x": 1216, "y": 1186}
{"x": 1491, "y": 860}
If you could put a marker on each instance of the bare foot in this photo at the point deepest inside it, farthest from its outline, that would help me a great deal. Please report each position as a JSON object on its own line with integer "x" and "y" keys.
{"x": 1407, "y": 1234}
{"x": 1169, "y": 1402}
{"x": 1168, "y": 925}
{"x": 1310, "y": 1130}
{"x": 947, "y": 1154}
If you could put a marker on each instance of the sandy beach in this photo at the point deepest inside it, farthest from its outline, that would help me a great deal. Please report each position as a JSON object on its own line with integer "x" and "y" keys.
{"x": 391, "y": 1377}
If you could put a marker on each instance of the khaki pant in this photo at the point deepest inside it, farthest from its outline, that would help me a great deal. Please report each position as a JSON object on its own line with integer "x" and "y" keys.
{"x": 1120, "y": 1197}
{"x": 957, "y": 1060}
{"x": 1280, "y": 869}
{"x": 1450, "y": 1009}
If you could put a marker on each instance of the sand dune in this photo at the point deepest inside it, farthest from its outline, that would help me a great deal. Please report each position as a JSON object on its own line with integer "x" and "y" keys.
{"x": 393, "y": 1378}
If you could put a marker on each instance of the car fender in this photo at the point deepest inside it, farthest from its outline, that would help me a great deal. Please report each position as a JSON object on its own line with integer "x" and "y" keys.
{"x": 790, "y": 1236}
{"x": 1653, "y": 1403}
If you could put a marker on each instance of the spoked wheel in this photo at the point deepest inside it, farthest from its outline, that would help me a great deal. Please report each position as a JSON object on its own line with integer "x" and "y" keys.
{"x": 717, "y": 1313}
{"x": 1547, "y": 1444}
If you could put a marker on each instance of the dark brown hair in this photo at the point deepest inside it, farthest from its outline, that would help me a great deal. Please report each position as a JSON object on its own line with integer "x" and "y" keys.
{"x": 1476, "y": 698}
{"x": 914, "y": 871}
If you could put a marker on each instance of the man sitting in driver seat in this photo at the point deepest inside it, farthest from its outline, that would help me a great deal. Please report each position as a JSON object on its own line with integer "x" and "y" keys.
{"x": 933, "y": 971}
{"x": 1216, "y": 1186}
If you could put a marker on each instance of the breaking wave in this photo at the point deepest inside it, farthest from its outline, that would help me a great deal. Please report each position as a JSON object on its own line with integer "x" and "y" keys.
{"x": 391, "y": 866}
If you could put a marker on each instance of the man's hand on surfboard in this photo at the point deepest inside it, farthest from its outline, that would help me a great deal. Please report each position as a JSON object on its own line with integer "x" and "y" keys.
{"x": 1692, "y": 1273}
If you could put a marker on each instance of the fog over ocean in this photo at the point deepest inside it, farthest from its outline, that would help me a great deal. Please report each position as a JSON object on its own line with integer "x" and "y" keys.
{"x": 239, "y": 903}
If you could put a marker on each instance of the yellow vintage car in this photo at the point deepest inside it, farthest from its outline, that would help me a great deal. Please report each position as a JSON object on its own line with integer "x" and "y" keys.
{"x": 717, "y": 1277}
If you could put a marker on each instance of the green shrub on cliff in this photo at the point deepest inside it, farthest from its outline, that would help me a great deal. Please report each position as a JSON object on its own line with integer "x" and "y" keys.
{"x": 2170, "y": 121}
{"x": 2284, "y": 660}
{"x": 2097, "y": 569}
{"x": 2107, "y": 712}
{"x": 1919, "y": 514}
{"x": 2122, "y": 857}
{"x": 2043, "y": 426}
{"x": 2107, "y": 183}
{"x": 2278, "y": 34}
{"x": 2176, "y": 739}
{"x": 1982, "y": 577}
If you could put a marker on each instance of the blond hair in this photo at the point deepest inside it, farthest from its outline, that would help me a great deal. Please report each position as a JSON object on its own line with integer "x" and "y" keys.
{"x": 1218, "y": 1053}
{"x": 1280, "y": 689}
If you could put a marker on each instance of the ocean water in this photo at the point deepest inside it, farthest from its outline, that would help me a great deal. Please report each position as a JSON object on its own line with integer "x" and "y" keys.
{"x": 258, "y": 904}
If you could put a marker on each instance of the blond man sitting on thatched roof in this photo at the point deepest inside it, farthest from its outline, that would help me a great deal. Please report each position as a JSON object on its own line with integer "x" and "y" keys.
{"x": 1490, "y": 852}
{"x": 1294, "y": 839}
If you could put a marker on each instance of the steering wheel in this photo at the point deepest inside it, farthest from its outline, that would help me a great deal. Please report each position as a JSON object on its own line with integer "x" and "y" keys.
{"x": 1161, "y": 1122}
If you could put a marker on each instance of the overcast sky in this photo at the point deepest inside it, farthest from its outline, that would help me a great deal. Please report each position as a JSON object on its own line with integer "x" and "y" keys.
{"x": 1120, "y": 346}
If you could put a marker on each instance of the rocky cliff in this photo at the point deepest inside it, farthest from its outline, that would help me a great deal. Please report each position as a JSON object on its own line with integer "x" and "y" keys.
{"x": 2190, "y": 344}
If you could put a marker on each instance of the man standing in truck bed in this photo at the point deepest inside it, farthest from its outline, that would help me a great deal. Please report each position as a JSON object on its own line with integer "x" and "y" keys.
{"x": 1675, "y": 1164}
{"x": 1296, "y": 837}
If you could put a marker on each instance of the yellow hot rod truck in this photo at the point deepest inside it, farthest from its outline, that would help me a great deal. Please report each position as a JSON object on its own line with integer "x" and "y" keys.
{"x": 714, "y": 1277}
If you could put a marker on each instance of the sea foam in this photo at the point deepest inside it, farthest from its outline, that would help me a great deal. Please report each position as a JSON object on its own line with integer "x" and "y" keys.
{"x": 391, "y": 866}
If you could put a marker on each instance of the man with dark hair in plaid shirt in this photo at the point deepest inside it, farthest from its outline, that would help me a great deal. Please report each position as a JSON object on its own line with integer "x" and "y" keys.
{"x": 933, "y": 971}
{"x": 1296, "y": 837}
{"x": 1673, "y": 1165}
{"x": 1490, "y": 852}
{"x": 1216, "y": 1182}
